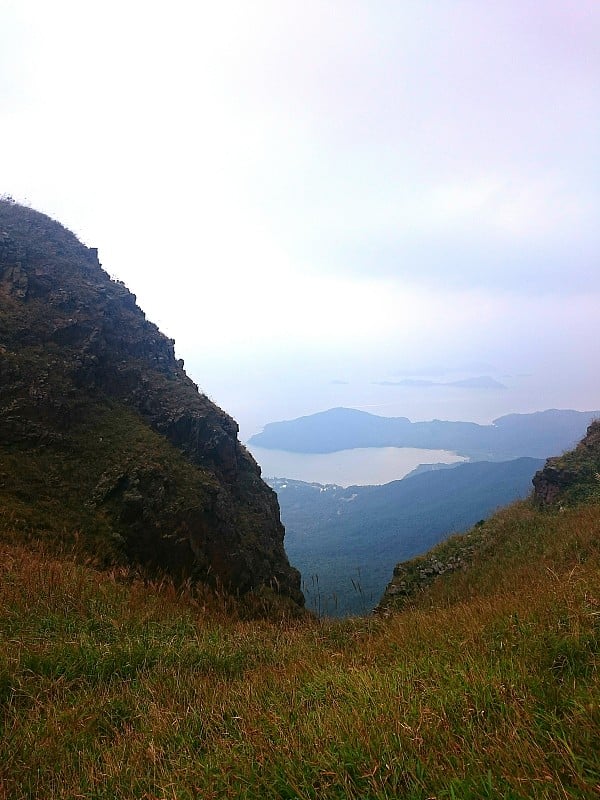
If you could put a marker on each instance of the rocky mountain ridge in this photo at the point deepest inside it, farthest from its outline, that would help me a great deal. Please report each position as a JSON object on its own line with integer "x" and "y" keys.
{"x": 78, "y": 359}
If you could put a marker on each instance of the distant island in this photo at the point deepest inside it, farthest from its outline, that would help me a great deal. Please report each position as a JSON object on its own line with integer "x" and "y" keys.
{"x": 537, "y": 435}
{"x": 480, "y": 382}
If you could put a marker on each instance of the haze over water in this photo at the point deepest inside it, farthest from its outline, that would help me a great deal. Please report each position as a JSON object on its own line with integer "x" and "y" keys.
{"x": 288, "y": 396}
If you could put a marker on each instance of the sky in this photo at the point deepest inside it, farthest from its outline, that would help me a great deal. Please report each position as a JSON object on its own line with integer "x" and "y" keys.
{"x": 314, "y": 198}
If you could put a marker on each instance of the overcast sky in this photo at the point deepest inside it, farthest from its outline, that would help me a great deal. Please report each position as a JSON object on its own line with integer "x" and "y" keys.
{"x": 328, "y": 190}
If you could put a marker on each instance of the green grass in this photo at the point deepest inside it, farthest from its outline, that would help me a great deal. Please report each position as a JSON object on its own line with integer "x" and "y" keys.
{"x": 487, "y": 687}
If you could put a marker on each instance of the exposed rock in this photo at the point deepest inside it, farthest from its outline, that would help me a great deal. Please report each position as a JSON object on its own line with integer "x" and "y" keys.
{"x": 411, "y": 578}
{"x": 75, "y": 350}
{"x": 574, "y": 475}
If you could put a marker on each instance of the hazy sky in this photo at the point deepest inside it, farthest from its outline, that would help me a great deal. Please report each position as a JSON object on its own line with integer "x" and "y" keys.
{"x": 307, "y": 192}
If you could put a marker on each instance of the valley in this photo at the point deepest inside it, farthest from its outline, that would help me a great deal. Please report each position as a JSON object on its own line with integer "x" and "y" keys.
{"x": 344, "y": 536}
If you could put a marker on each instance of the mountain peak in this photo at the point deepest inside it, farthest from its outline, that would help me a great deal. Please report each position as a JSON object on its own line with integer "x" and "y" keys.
{"x": 80, "y": 367}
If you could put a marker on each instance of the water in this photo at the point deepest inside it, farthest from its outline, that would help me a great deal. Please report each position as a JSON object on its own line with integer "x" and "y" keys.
{"x": 359, "y": 467}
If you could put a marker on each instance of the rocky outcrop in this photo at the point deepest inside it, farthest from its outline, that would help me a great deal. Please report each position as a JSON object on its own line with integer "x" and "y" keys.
{"x": 76, "y": 352}
{"x": 573, "y": 476}
{"x": 412, "y": 578}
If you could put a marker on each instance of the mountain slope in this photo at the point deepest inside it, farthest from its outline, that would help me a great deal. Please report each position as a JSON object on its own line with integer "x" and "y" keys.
{"x": 103, "y": 437}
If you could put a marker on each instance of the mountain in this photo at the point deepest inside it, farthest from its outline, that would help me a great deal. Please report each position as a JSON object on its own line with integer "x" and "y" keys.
{"x": 346, "y": 541}
{"x": 537, "y": 435}
{"x": 105, "y": 443}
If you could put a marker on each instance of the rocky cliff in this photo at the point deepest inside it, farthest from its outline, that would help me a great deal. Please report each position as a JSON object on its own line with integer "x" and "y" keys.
{"x": 102, "y": 432}
{"x": 573, "y": 476}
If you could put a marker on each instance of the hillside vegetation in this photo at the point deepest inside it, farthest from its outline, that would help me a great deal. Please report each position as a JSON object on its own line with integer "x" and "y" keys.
{"x": 485, "y": 686}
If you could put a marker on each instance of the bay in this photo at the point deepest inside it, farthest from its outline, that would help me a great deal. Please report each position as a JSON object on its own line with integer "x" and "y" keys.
{"x": 363, "y": 466}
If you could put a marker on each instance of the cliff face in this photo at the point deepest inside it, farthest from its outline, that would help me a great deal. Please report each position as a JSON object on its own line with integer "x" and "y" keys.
{"x": 92, "y": 391}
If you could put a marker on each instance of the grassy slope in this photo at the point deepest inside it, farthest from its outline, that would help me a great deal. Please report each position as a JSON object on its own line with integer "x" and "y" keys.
{"x": 486, "y": 687}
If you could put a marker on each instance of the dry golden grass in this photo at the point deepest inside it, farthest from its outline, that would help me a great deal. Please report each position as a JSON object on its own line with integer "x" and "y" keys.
{"x": 487, "y": 689}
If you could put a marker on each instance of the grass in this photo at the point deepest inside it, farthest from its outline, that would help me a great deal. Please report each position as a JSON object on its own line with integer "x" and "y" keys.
{"x": 486, "y": 687}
